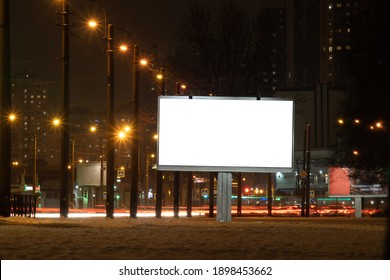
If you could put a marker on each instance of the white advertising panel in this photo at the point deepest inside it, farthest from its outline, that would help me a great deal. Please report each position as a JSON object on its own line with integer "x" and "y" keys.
{"x": 221, "y": 134}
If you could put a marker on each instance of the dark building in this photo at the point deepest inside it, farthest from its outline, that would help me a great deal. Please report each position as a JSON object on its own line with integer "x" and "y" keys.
{"x": 319, "y": 41}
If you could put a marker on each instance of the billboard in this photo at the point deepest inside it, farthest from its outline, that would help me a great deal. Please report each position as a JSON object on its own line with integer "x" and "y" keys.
{"x": 341, "y": 184}
{"x": 225, "y": 134}
{"x": 89, "y": 174}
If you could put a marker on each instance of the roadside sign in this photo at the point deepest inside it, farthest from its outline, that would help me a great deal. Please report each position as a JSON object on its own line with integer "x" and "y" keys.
{"x": 303, "y": 174}
{"x": 121, "y": 173}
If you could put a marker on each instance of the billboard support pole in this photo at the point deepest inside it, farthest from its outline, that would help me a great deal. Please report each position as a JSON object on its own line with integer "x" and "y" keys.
{"x": 358, "y": 207}
{"x": 224, "y": 197}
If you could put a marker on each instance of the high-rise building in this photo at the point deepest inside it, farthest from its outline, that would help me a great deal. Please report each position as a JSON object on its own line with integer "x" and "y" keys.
{"x": 319, "y": 41}
{"x": 273, "y": 54}
{"x": 32, "y": 132}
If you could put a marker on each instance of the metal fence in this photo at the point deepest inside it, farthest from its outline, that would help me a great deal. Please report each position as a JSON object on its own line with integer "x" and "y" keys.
{"x": 23, "y": 205}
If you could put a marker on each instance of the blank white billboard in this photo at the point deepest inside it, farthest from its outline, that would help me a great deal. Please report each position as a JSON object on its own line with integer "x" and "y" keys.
{"x": 222, "y": 134}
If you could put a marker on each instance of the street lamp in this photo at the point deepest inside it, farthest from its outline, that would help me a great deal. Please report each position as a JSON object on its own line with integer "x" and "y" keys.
{"x": 64, "y": 178}
{"x": 135, "y": 124}
{"x": 135, "y": 139}
{"x": 5, "y": 105}
{"x": 109, "y": 37}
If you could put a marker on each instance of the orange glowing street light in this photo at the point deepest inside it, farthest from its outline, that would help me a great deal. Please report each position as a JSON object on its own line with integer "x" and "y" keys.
{"x": 56, "y": 122}
{"x": 12, "y": 117}
{"x": 92, "y": 23}
{"x": 93, "y": 128}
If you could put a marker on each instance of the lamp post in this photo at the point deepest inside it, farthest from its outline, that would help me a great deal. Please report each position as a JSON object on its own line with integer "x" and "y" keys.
{"x": 111, "y": 123}
{"x": 159, "y": 187}
{"x": 307, "y": 181}
{"x": 72, "y": 167}
{"x": 305, "y": 173}
{"x": 64, "y": 177}
{"x": 109, "y": 37}
{"x": 5, "y": 105}
{"x": 35, "y": 165}
{"x": 135, "y": 140}
{"x": 135, "y": 127}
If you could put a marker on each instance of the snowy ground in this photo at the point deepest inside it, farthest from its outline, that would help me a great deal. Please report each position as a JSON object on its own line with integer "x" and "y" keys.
{"x": 196, "y": 238}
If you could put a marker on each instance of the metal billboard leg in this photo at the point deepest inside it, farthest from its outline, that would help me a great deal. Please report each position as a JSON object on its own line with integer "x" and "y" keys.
{"x": 224, "y": 197}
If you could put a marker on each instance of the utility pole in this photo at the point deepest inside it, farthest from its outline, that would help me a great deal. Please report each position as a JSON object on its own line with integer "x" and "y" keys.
{"x": 135, "y": 140}
{"x": 159, "y": 181}
{"x": 5, "y": 105}
{"x": 35, "y": 165}
{"x": 64, "y": 177}
{"x": 303, "y": 174}
{"x": 176, "y": 187}
{"x": 308, "y": 170}
{"x": 111, "y": 123}
{"x": 73, "y": 166}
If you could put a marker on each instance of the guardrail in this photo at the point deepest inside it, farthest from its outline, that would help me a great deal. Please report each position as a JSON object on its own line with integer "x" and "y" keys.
{"x": 23, "y": 205}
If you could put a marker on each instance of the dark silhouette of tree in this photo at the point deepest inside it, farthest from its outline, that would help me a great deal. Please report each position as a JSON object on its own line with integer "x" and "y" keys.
{"x": 218, "y": 52}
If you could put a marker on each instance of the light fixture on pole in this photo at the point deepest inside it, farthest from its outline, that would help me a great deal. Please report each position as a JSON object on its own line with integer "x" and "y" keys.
{"x": 110, "y": 149}
{"x": 134, "y": 116}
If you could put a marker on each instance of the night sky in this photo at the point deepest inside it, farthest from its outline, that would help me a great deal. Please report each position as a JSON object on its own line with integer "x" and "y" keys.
{"x": 36, "y": 41}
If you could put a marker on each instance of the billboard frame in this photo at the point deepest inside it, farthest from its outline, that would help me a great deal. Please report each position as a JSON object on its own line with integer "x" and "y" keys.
{"x": 289, "y": 167}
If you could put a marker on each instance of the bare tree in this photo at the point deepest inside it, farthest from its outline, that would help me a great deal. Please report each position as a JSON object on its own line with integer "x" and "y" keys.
{"x": 218, "y": 52}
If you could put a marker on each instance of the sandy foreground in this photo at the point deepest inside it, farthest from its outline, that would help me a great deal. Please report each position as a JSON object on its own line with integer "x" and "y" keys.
{"x": 196, "y": 238}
